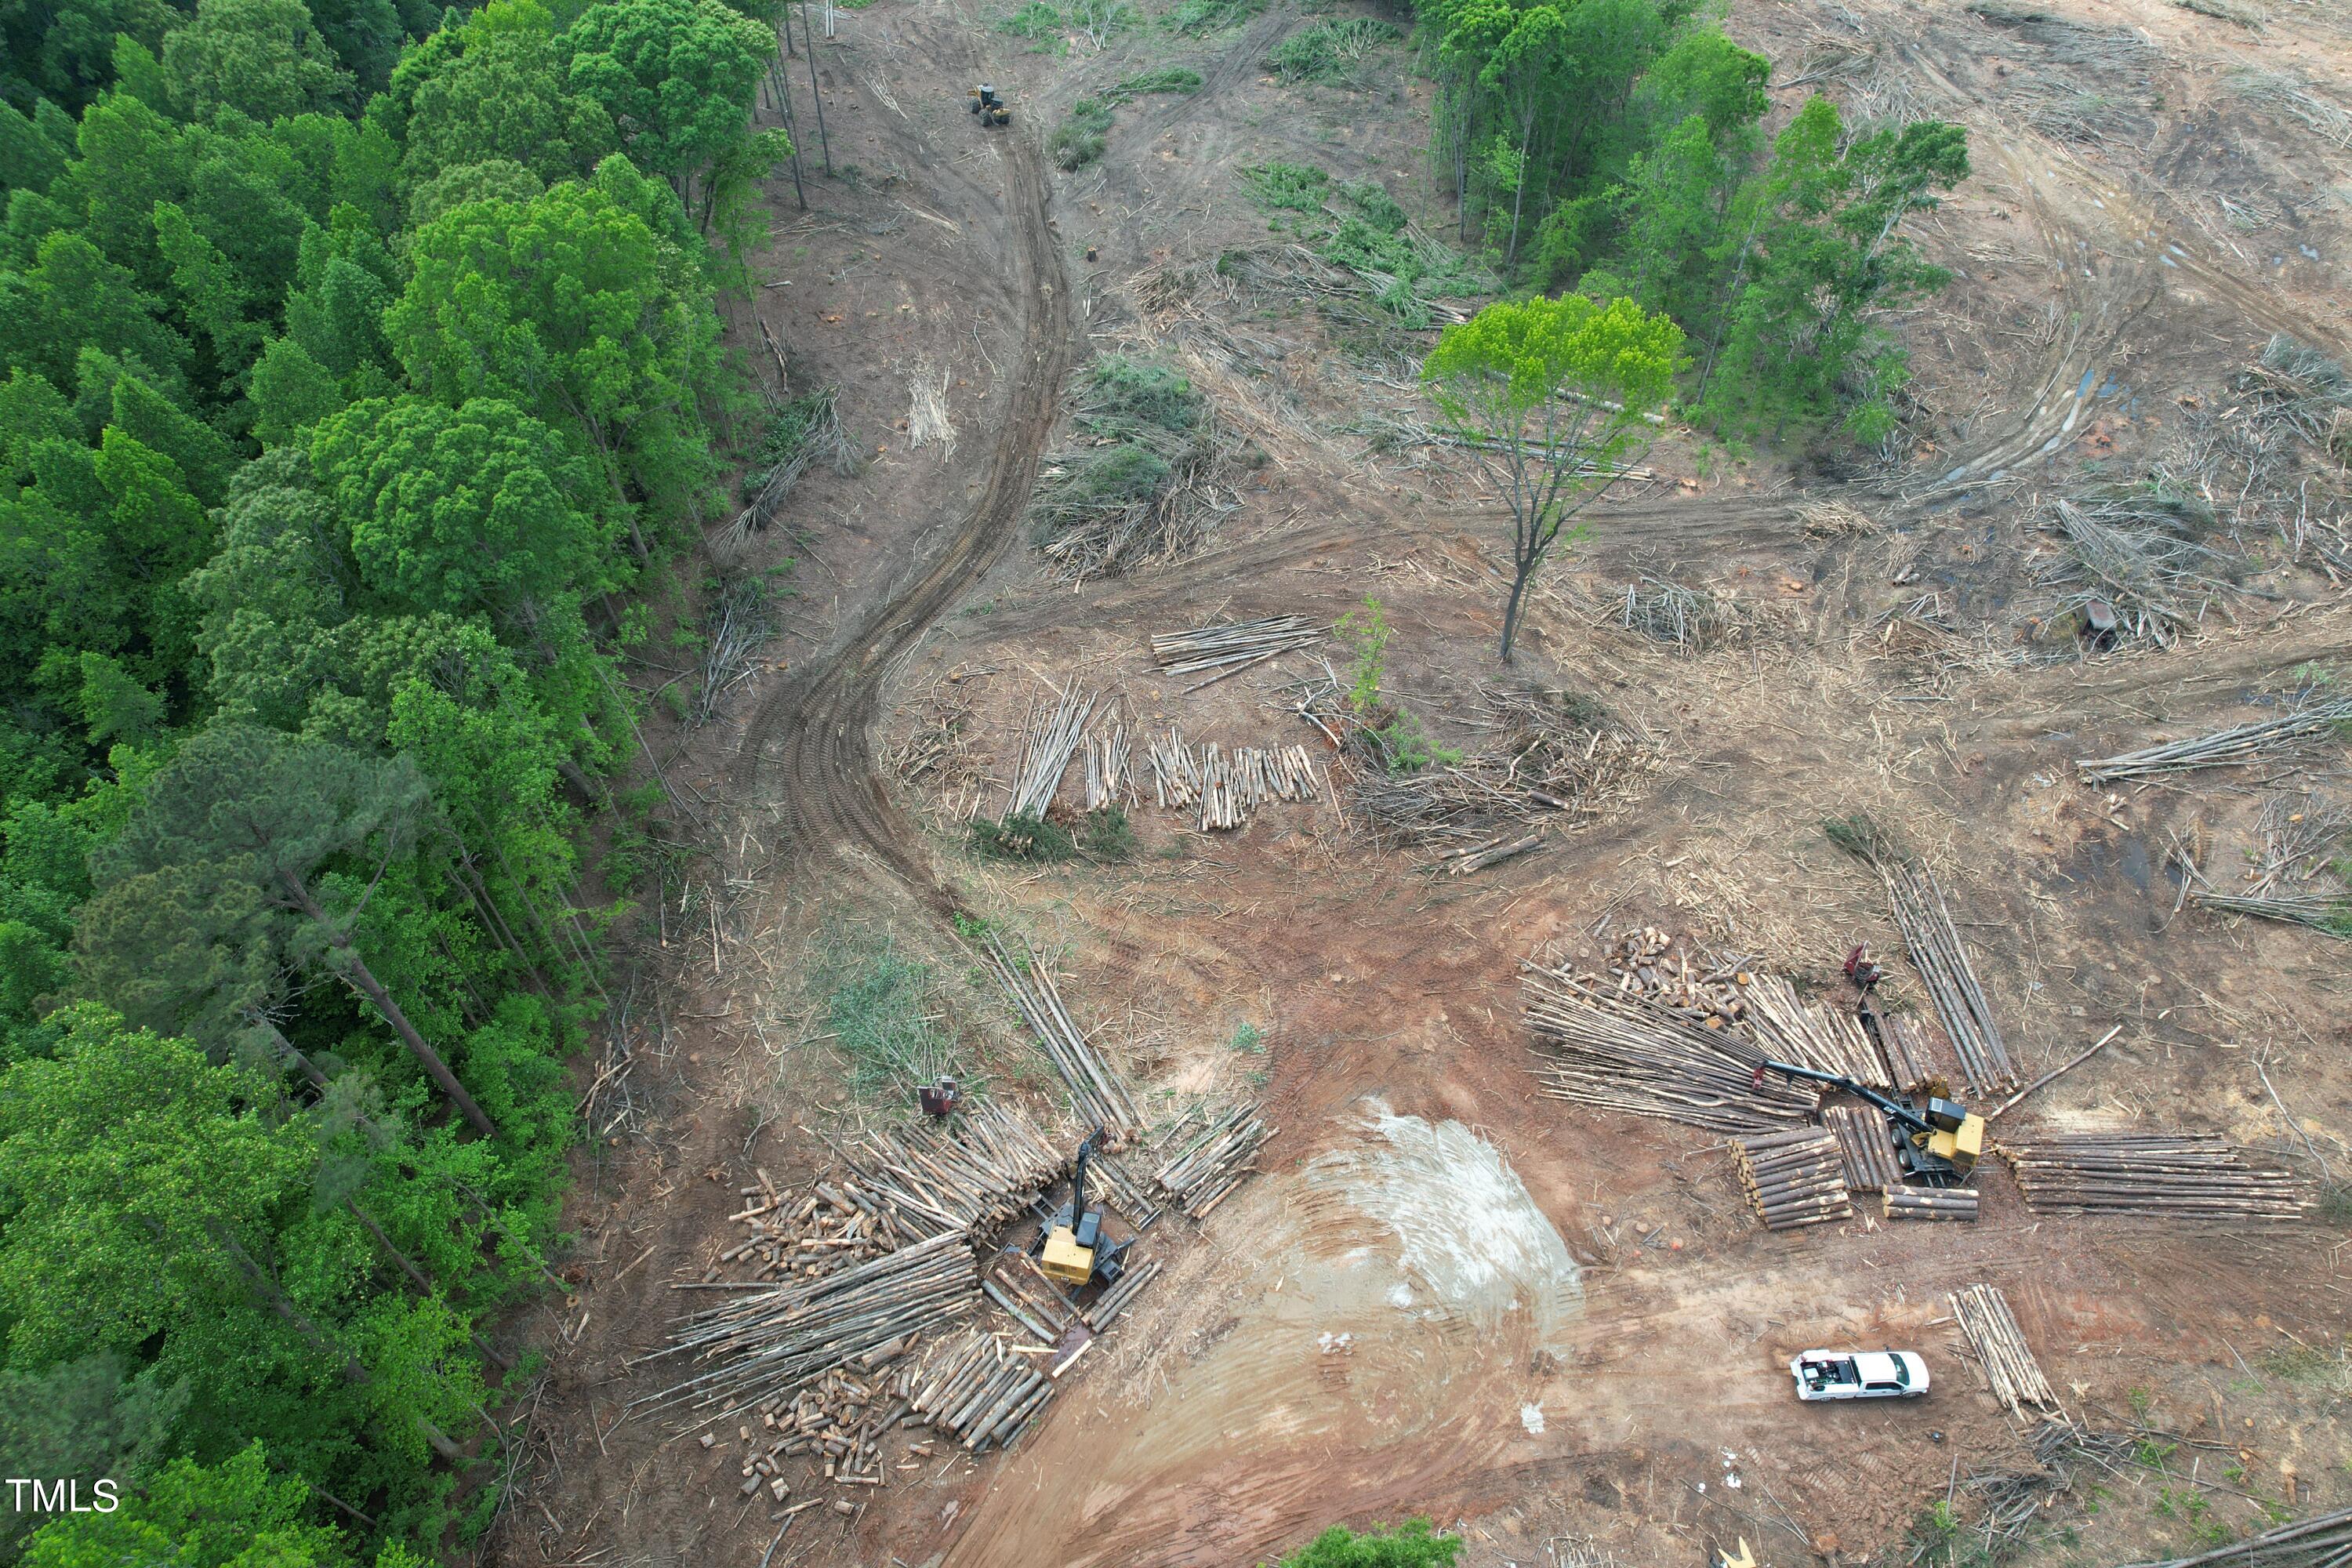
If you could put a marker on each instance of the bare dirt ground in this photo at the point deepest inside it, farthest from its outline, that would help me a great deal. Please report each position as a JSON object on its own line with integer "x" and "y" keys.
{"x": 1447, "y": 1294}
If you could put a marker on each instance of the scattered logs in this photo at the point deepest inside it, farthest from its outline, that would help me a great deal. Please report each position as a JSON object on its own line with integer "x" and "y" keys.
{"x": 1232, "y": 646}
{"x": 2289, "y": 733}
{"x": 1100, "y": 1095}
{"x": 1201, "y": 1174}
{"x": 2002, "y": 1356}
{"x": 1827, "y": 1039}
{"x": 1866, "y": 1147}
{"x": 1478, "y": 857}
{"x": 2185, "y": 1176}
{"x": 1794, "y": 1178}
{"x": 1931, "y": 1202}
{"x": 1934, "y": 948}
{"x": 1625, "y": 1053}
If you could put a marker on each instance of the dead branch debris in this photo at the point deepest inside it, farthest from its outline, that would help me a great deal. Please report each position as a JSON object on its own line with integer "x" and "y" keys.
{"x": 740, "y": 624}
{"x": 2293, "y": 874}
{"x": 2131, "y": 565}
{"x": 805, "y": 431}
{"x": 1557, "y": 756}
{"x": 2315, "y": 1543}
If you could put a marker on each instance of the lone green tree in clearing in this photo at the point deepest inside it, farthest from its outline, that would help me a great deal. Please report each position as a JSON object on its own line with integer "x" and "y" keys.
{"x": 1551, "y": 395}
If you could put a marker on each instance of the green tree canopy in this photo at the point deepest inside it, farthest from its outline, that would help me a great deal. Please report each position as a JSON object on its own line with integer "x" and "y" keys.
{"x": 678, "y": 77}
{"x": 264, "y": 58}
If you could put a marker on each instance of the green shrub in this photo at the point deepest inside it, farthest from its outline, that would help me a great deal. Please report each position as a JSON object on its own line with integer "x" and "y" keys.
{"x": 1297, "y": 186}
{"x": 878, "y": 1006}
{"x": 1037, "y": 22}
{"x": 1199, "y": 16}
{"x": 1331, "y": 51}
{"x": 1409, "y": 1545}
{"x": 1174, "y": 79}
{"x": 1110, "y": 836}
{"x": 1372, "y": 201}
{"x": 1080, "y": 138}
{"x": 1125, "y": 394}
{"x": 1023, "y": 838}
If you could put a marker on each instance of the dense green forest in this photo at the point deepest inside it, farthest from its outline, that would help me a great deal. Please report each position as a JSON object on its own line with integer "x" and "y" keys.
{"x": 358, "y": 364}
{"x": 1616, "y": 147}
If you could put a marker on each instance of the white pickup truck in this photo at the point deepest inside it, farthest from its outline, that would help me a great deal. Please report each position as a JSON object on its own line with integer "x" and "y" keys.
{"x": 1859, "y": 1374}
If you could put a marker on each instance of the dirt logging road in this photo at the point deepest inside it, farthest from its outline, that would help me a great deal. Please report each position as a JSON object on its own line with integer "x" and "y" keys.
{"x": 809, "y": 748}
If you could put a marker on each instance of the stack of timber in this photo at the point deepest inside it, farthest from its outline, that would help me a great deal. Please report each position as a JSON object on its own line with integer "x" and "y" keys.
{"x": 1624, "y": 1054}
{"x": 1041, "y": 1307}
{"x": 830, "y": 1229}
{"x": 971, "y": 1180}
{"x": 1099, "y": 1094}
{"x": 1822, "y": 1038}
{"x": 837, "y": 1420}
{"x": 1794, "y": 1178}
{"x": 1934, "y": 948}
{"x": 1111, "y": 769}
{"x": 2185, "y": 1176}
{"x": 2290, "y": 733}
{"x": 1132, "y": 1198}
{"x": 2001, "y": 1353}
{"x": 2324, "y": 1541}
{"x": 759, "y": 1350}
{"x": 1231, "y": 786}
{"x": 1670, "y": 971}
{"x": 1048, "y": 739}
{"x": 1231, "y": 647}
{"x": 979, "y": 1390}
{"x": 1931, "y": 1202}
{"x": 1212, "y": 1162}
{"x": 1866, "y": 1147}
{"x": 1175, "y": 775}
{"x": 1910, "y": 1060}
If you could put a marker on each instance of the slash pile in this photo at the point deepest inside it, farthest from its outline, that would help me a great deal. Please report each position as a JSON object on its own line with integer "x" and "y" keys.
{"x": 1810, "y": 1036}
{"x": 1794, "y": 1178}
{"x": 2002, "y": 1355}
{"x": 1625, "y": 1055}
{"x": 1201, "y": 1174}
{"x": 2185, "y": 1176}
{"x": 1233, "y": 645}
{"x": 1099, "y": 1094}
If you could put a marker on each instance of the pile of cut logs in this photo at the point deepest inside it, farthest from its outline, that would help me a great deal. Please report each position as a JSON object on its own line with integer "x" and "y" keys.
{"x": 1226, "y": 788}
{"x": 1231, "y": 647}
{"x": 1620, "y": 1053}
{"x": 1049, "y": 738}
{"x": 1827, "y": 1039}
{"x": 1668, "y": 972}
{"x": 1931, "y": 1202}
{"x": 2002, "y": 1353}
{"x": 1866, "y": 1147}
{"x": 1794, "y": 1179}
{"x": 980, "y": 1390}
{"x": 1100, "y": 1095}
{"x": 1201, "y": 1174}
{"x": 1910, "y": 1059}
{"x": 972, "y": 1179}
{"x": 1934, "y": 948}
{"x": 838, "y": 1420}
{"x": 2185, "y": 1176}
{"x": 823, "y": 1233}
{"x": 1111, "y": 769}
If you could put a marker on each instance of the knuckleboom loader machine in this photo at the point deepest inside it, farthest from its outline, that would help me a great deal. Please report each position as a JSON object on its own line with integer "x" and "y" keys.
{"x": 1073, "y": 1249}
{"x": 1937, "y": 1142}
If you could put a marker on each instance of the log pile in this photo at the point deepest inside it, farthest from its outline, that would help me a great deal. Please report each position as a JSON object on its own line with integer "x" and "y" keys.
{"x": 1132, "y": 1198}
{"x": 2285, "y": 735}
{"x": 1231, "y": 788}
{"x": 1931, "y": 1202}
{"x": 1866, "y": 1147}
{"x": 1668, "y": 972}
{"x": 1034, "y": 1301}
{"x": 1808, "y": 1034}
{"x": 837, "y": 1420}
{"x": 1233, "y": 645}
{"x": 1469, "y": 857}
{"x": 1111, "y": 769}
{"x": 979, "y": 1390}
{"x": 2002, "y": 1355}
{"x": 1113, "y": 1302}
{"x": 2324, "y": 1541}
{"x": 759, "y": 1350}
{"x": 1100, "y": 1096}
{"x": 1175, "y": 775}
{"x": 1794, "y": 1178}
{"x": 2177, "y": 1175}
{"x": 1211, "y": 1164}
{"x": 971, "y": 1180}
{"x": 1049, "y": 738}
{"x": 1624, "y": 1054}
{"x": 1935, "y": 949}
{"x": 1910, "y": 1060}
{"x": 830, "y": 1229}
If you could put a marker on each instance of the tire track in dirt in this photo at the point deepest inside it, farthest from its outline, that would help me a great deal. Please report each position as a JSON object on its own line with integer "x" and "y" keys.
{"x": 810, "y": 748}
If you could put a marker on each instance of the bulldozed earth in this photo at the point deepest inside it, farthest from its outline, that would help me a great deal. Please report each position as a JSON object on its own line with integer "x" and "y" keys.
{"x": 1556, "y": 1328}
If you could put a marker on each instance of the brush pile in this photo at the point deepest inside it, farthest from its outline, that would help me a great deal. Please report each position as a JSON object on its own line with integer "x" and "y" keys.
{"x": 1555, "y": 755}
{"x": 1214, "y": 1162}
{"x": 1622, "y": 1054}
{"x": 1794, "y": 1178}
{"x": 1140, "y": 482}
{"x": 2324, "y": 1541}
{"x": 1234, "y": 646}
{"x": 2183, "y": 1175}
{"x": 2137, "y": 552}
{"x": 2289, "y": 734}
{"x": 2300, "y": 387}
{"x": 2002, "y": 1353}
{"x": 2295, "y": 874}
{"x": 761, "y": 1349}
{"x": 1049, "y": 738}
{"x": 1866, "y": 1147}
{"x": 1097, "y": 1093}
{"x": 1687, "y": 619}
{"x": 1826, "y": 1039}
